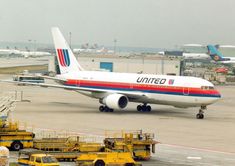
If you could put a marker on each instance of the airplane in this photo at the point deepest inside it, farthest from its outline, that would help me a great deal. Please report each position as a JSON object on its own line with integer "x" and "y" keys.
{"x": 115, "y": 90}
{"x": 185, "y": 55}
{"x": 194, "y": 55}
{"x": 25, "y": 54}
{"x": 34, "y": 54}
{"x": 7, "y": 52}
{"x": 218, "y": 56}
{"x": 92, "y": 50}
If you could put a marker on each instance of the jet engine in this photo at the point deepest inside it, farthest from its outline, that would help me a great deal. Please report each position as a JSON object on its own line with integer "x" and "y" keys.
{"x": 115, "y": 101}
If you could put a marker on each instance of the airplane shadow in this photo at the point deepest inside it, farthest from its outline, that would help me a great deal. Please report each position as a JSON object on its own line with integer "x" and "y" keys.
{"x": 92, "y": 109}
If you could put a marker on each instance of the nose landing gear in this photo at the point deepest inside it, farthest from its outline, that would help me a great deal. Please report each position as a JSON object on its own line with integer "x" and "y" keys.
{"x": 200, "y": 114}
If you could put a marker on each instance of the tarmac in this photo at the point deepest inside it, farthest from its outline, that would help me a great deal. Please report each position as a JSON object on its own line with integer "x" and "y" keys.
{"x": 184, "y": 140}
{"x": 16, "y": 62}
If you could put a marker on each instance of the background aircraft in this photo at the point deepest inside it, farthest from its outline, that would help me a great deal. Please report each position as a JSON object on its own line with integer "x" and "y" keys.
{"x": 26, "y": 54}
{"x": 218, "y": 56}
{"x": 188, "y": 53}
{"x": 10, "y": 52}
{"x": 34, "y": 54}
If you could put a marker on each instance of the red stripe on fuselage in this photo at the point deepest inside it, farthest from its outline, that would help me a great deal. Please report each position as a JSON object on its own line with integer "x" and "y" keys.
{"x": 161, "y": 88}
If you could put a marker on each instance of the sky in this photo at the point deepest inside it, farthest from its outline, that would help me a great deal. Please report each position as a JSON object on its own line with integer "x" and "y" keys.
{"x": 133, "y": 23}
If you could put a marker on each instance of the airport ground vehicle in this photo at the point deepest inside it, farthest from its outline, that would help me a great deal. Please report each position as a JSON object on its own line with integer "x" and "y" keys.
{"x": 139, "y": 144}
{"x": 14, "y": 138}
{"x": 106, "y": 159}
{"x": 66, "y": 148}
{"x": 28, "y": 78}
{"x": 71, "y": 143}
{"x": 36, "y": 158}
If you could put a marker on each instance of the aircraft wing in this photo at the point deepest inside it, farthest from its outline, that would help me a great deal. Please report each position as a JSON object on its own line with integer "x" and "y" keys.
{"x": 226, "y": 46}
{"x": 54, "y": 78}
{"x": 131, "y": 95}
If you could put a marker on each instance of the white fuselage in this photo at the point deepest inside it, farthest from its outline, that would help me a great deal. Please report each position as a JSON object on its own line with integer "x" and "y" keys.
{"x": 196, "y": 56}
{"x": 230, "y": 60}
{"x": 177, "y": 91}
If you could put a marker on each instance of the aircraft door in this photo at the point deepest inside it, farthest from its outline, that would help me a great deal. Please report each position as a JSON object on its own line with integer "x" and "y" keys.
{"x": 131, "y": 86}
{"x": 78, "y": 82}
{"x": 186, "y": 90}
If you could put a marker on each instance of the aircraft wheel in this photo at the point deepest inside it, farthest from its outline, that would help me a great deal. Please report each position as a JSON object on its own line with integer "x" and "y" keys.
{"x": 148, "y": 108}
{"x": 106, "y": 109}
{"x": 101, "y": 108}
{"x": 200, "y": 116}
{"x": 144, "y": 108}
{"x": 139, "y": 108}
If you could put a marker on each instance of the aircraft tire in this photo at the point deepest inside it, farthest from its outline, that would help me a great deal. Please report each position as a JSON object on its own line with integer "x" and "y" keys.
{"x": 200, "y": 116}
{"x": 101, "y": 108}
{"x": 148, "y": 108}
{"x": 139, "y": 108}
{"x": 144, "y": 108}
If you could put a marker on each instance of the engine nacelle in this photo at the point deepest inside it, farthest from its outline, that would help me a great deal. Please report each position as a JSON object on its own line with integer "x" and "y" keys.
{"x": 115, "y": 101}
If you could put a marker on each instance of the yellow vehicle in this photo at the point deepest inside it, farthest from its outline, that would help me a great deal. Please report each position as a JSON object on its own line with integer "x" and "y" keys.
{"x": 66, "y": 148}
{"x": 66, "y": 144}
{"x": 106, "y": 159}
{"x": 14, "y": 138}
{"x": 31, "y": 157}
{"x": 139, "y": 144}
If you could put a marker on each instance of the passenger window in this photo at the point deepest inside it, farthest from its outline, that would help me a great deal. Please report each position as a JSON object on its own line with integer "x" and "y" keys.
{"x": 38, "y": 160}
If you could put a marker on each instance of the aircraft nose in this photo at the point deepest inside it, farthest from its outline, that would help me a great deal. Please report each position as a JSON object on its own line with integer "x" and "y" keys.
{"x": 217, "y": 95}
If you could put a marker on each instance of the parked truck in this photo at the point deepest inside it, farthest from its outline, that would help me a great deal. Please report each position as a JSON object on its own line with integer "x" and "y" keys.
{"x": 34, "y": 157}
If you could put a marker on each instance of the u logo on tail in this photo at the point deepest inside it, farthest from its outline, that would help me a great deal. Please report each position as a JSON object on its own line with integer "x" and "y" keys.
{"x": 63, "y": 55}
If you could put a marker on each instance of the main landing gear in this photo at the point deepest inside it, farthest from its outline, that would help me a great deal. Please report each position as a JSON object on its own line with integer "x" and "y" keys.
{"x": 103, "y": 108}
{"x": 200, "y": 114}
{"x": 144, "y": 108}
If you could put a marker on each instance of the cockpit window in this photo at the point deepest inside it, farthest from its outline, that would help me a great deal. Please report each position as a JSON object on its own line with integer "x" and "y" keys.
{"x": 207, "y": 87}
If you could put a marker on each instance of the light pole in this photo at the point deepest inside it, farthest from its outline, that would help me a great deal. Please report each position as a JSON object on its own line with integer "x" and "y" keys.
{"x": 115, "y": 44}
{"x": 70, "y": 40}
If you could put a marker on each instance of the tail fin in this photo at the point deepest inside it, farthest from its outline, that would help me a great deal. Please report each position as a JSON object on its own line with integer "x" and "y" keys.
{"x": 214, "y": 53}
{"x": 66, "y": 59}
